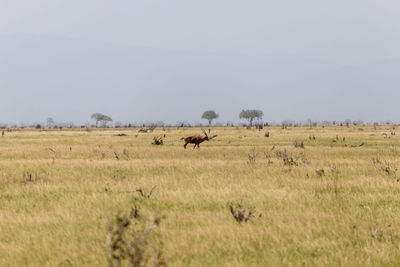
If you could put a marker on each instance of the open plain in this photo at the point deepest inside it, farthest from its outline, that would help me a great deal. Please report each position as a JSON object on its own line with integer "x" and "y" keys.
{"x": 330, "y": 200}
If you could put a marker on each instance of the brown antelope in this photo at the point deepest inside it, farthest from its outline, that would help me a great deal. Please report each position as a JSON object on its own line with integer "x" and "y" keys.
{"x": 146, "y": 130}
{"x": 197, "y": 139}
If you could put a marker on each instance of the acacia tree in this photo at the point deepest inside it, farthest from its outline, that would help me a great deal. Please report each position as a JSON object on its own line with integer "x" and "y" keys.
{"x": 50, "y": 122}
{"x": 209, "y": 115}
{"x": 250, "y": 115}
{"x": 101, "y": 117}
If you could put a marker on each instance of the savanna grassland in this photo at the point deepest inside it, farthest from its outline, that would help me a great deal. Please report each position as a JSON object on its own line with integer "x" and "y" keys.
{"x": 332, "y": 202}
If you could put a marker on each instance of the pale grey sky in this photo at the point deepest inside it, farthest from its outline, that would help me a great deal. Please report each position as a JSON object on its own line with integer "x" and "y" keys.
{"x": 171, "y": 60}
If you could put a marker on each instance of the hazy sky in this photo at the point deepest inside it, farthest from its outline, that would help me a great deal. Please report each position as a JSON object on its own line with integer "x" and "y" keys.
{"x": 172, "y": 60}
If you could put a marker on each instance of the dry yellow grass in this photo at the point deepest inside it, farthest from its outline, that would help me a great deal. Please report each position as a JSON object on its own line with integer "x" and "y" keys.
{"x": 59, "y": 189}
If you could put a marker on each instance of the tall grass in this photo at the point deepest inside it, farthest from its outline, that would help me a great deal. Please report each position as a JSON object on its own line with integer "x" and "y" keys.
{"x": 59, "y": 190}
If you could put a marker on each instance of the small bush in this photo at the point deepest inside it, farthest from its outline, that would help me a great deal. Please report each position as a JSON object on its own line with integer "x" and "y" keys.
{"x": 240, "y": 213}
{"x": 281, "y": 154}
{"x": 252, "y": 157}
{"x": 320, "y": 172}
{"x": 144, "y": 194}
{"x": 158, "y": 141}
{"x": 298, "y": 144}
{"x": 388, "y": 168}
{"x": 134, "y": 244}
{"x": 376, "y": 160}
{"x": 289, "y": 161}
{"x": 268, "y": 157}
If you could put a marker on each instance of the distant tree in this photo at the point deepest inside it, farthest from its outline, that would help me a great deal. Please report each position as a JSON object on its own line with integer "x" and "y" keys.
{"x": 117, "y": 124}
{"x": 209, "y": 115}
{"x": 98, "y": 117}
{"x": 50, "y": 122}
{"x": 182, "y": 124}
{"x": 358, "y": 122}
{"x": 347, "y": 122}
{"x": 288, "y": 123}
{"x": 250, "y": 115}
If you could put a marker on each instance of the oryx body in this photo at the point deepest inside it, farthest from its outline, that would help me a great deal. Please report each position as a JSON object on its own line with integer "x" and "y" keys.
{"x": 196, "y": 139}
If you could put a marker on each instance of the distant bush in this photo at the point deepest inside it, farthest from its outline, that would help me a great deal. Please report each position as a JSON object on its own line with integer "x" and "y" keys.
{"x": 157, "y": 141}
{"x": 240, "y": 213}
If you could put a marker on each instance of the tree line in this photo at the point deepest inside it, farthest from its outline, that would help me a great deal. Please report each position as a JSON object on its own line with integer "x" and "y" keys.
{"x": 252, "y": 116}
{"x": 248, "y": 114}
{"x": 209, "y": 115}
